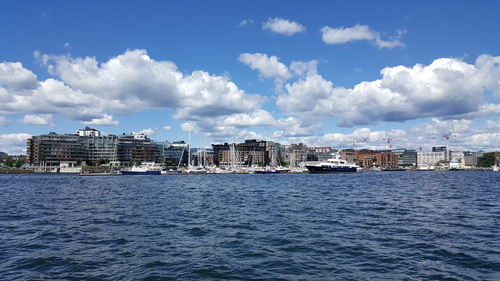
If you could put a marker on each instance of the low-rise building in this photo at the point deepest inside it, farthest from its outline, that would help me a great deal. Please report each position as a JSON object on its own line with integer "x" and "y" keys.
{"x": 369, "y": 158}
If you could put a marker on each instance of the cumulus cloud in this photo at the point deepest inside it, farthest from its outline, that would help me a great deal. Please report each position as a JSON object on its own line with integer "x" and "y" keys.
{"x": 38, "y": 119}
{"x": 461, "y": 135}
{"x": 167, "y": 128}
{"x": 13, "y": 143}
{"x": 254, "y": 119}
{"x": 147, "y": 132}
{"x": 446, "y": 88}
{"x": 86, "y": 89}
{"x": 304, "y": 68}
{"x": 13, "y": 76}
{"x": 106, "y": 120}
{"x": 188, "y": 126}
{"x": 283, "y": 26}
{"x": 268, "y": 66}
{"x": 344, "y": 35}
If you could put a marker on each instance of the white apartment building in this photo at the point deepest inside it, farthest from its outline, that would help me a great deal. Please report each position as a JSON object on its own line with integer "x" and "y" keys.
{"x": 426, "y": 159}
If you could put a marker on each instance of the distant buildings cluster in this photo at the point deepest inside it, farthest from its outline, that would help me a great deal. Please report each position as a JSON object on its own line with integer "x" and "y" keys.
{"x": 89, "y": 147}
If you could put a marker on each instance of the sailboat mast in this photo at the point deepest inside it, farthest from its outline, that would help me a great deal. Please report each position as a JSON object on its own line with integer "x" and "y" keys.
{"x": 189, "y": 149}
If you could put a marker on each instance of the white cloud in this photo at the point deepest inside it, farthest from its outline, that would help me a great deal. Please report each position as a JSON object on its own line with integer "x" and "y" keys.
{"x": 188, "y": 126}
{"x": 86, "y": 89}
{"x": 268, "y": 66}
{"x": 105, "y": 120}
{"x": 13, "y": 143}
{"x": 423, "y": 136}
{"x": 14, "y": 76}
{"x": 283, "y": 26}
{"x": 245, "y": 22}
{"x": 446, "y": 88}
{"x": 147, "y": 132}
{"x": 66, "y": 45}
{"x": 38, "y": 119}
{"x": 167, "y": 128}
{"x": 344, "y": 35}
{"x": 304, "y": 68}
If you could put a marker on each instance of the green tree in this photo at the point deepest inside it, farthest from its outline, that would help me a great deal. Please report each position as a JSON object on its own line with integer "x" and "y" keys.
{"x": 169, "y": 162}
{"x": 9, "y": 162}
{"x": 137, "y": 162}
{"x": 19, "y": 162}
{"x": 102, "y": 161}
{"x": 487, "y": 160}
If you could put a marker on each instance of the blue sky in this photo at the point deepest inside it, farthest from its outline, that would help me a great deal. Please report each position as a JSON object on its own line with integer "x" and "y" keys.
{"x": 290, "y": 71}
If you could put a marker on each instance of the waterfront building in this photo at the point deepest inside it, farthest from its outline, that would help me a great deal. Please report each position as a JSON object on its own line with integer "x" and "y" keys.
{"x": 322, "y": 153}
{"x": 456, "y": 159}
{"x": 426, "y": 159}
{"x": 177, "y": 153}
{"x": 202, "y": 157}
{"x": 88, "y": 132}
{"x": 136, "y": 148}
{"x": 88, "y": 146}
{"x": 470, "y": 158}
{"x": 250, "y": 153}
{"x": 497, "y": 157}
{"x": 439, "y": 149}
{"x": 50, "y": 149}
{"x": 97, "y": 148}
{"x": 369, "y": 158}
{"x": 406, "y": 158}
{"x": 348, "y": 155}
{"x": 294, "y": 154}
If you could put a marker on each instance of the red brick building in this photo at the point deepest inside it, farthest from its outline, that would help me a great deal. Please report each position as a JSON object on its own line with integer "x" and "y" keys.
{"x": 366, "y": 158}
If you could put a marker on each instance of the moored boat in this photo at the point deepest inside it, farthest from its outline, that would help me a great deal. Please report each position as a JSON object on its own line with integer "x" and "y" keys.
{"x": 334, "y": 165}
{"x": 146, "y": 168}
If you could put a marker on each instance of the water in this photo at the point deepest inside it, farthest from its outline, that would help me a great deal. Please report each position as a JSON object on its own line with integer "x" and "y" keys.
{"x": 369, "y": 226}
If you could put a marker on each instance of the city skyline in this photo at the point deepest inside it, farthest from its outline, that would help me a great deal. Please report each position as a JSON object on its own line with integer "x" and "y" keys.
{"x": 325, "y": 74}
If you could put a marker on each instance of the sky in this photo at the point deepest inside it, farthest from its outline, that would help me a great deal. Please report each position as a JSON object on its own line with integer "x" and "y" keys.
{"x": 362, "y": 74}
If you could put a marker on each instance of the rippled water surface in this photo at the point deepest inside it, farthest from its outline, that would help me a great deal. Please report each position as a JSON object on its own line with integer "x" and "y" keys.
{"x": 368, "y": 226}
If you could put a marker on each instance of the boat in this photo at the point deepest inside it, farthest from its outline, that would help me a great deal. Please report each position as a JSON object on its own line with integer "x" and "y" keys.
{"x": 392, "y": 168}
{"x": 113, "y": 173}
{"x": 334, "y": 165}
{"x": 146, "y": 168}
{"x": 266, "y": 171}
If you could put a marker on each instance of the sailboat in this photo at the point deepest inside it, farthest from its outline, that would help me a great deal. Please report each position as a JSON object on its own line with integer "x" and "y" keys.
{"x": 190, "y": 169}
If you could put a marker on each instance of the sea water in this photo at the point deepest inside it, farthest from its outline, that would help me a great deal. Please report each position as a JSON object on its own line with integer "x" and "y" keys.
{"x": 366, "y": 226}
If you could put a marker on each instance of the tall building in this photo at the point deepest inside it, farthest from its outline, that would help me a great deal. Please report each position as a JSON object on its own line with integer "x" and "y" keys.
{"x": 132, "y": 148}
{"x": 50, "y": 149}
{"x": 89, "y": 146}
{"x": 99, "y": 147}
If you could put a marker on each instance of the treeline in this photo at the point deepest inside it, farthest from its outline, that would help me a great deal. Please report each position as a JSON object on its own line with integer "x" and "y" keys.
{"x": 487, "y": 160}
{"x": 11, "y": 161}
